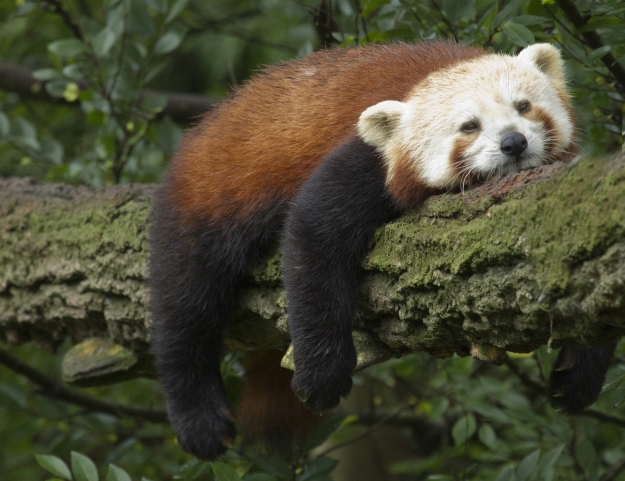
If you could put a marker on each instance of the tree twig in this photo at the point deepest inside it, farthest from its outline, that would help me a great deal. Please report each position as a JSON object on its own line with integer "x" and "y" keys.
{"x": 51, "y": 388}
{"x": 57, "y": 8}
{"x": 593, "y": 39}
{"x": 525, "y": 379}
{"x": 368, "y": 431}
{"x": 606, "y": 418}
{"x": 181, "y": 107}
{"x": 614, "y": 471}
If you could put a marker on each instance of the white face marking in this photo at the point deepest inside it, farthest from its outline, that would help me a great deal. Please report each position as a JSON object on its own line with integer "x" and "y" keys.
{"x": 487, "y": 92}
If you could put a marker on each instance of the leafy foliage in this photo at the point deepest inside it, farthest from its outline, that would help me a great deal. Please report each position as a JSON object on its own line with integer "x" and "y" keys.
{"x": 109, "y": 64}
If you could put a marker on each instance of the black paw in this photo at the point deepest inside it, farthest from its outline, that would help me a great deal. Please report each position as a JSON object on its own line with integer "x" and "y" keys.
{"x": 578, "y": 376}
{"x": 322, "y": 388}
{"x": 207, "y": 435}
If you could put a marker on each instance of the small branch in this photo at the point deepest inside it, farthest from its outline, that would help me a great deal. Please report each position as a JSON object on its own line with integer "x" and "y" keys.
{"x": 364, "y": 24}
{"x": 368, "y": 431}
{"x": 614, "y": 471}
{"x": 606, "y": 418}
{"x": 324, "y": 23}
{"x": 181, "y": 107}
{"x": 525, "y": 379}
{"x": 446, "y": 21}
{"x": 51, "y": 388}
{"x": 593, "y": 39}
{"x": 56, "y": 7}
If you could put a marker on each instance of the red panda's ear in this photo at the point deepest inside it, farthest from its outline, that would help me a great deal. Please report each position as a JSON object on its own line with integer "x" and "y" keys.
{"x": 378, "y": 123}
{"x": 547, "y": 58}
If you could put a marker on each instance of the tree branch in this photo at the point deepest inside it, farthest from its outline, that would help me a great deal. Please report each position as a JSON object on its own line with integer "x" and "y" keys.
{"x": 52, "y": 389}
{"x": 523, "y": 260}
{"x": 181, "y": 107}
{"x": 56, "y": 7}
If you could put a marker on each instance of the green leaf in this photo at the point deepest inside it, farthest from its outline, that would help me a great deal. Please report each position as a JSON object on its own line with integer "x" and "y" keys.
{"x": 13, "y": 392}
{"x": 596, "y": 23}
{"x": 274, "y": 465}
{"x": 463, "y": 429}
{"x": 75, "y": 71}
{"x": 527, "y": 466}
{"x": 176, "y": 8}
{"x": 598, "y": 53}
{"x": 224, "y": 472}
{"x": 457, "y": 10}
{"x": 168, "y": 42}
{"x": 47, "y": 74}
{"x": 317, "y": 468}
{"x": 618, "y": 396}
{"x": 26, "y": 133}
{"x": 54, "y": 465}
{"x": 192, "y": 470}
{"x": 103, "y": 42}
{"x": 519, "y": 34}
{"x": 139, "y": 20}
{"x": 586, "y": 454}
{"x": 67, "y": 47}
{"x": 71, "y": 91}
{"x": 550, "y": 458}
{"x": 324, "y": 430}
{"x": 530, "y": 20}
{"x": 83, "y": 468}
{"x": 117, "y": 474}
{"x": 487, "y": 436}
{"x": 506, "y": 474}
{"x": 5, "y": 129}
{"x": 96, "y": 118}
{"x": 259, "y": 477}
{"x": 56, "y": 88}
{"x": 370, "y": 5}
{"x": 505, "y": 12}
{"x": 614, "y": 377}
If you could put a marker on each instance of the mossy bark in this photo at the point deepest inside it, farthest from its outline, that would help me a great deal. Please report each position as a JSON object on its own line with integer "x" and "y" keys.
{"x": 532, "y": 258}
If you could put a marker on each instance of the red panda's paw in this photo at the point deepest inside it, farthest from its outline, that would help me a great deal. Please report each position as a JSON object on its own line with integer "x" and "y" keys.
{"x": 206, "y": 435}
{"x": 578, "y": 376}
{"x": 321, "y": 391}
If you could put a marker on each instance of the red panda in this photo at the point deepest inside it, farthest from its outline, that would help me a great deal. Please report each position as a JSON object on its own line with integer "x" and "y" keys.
{"x": 322, "y": 151}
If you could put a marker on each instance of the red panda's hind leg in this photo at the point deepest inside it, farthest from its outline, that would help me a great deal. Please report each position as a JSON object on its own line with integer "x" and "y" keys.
{"x": 578, "y": 376}
{"x": 194, "y": 276}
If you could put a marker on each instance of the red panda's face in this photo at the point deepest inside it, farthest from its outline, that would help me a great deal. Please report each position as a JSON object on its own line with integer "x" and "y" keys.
{"x": 493, "y": 115}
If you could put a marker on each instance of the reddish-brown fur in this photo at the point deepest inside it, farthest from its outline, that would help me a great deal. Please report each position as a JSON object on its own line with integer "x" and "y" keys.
{"x": 537, "y": 114}
{"x": 269, "y": 411}
{"x": 262, "y": 143}
{"x": 405, "y": 186}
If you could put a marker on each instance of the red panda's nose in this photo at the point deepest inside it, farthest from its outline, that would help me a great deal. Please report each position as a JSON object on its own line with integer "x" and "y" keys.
{"x": 513, "y": 143}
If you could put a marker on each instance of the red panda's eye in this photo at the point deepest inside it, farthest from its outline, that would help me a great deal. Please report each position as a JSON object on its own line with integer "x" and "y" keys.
{"x": 470, "y": 127}
{"x": 523, "y": 107}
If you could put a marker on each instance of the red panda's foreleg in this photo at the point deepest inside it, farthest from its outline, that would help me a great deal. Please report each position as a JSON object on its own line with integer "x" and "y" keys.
{"x": 328, "y": 228}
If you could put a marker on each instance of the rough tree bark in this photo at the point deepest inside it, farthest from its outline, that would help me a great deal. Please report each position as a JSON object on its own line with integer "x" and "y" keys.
{"x": 532, "y": 258}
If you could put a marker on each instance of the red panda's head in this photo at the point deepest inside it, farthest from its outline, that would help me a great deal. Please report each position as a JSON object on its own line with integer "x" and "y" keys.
{"x": 491, "y": 115}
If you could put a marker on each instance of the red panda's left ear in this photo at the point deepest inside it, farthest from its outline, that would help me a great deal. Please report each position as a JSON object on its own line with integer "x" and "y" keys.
{"x": 548, "y": 60}
{"x": 378, "y": 123}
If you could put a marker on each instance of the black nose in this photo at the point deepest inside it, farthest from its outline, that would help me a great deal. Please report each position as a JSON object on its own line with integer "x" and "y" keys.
{"x": 513, "y": 143}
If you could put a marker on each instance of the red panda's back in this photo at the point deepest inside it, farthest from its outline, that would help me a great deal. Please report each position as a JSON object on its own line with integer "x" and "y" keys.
{"x": 263, "y": 142}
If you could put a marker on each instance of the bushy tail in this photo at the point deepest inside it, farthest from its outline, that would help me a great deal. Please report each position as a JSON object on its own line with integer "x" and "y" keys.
{"x": 269, "y": 413}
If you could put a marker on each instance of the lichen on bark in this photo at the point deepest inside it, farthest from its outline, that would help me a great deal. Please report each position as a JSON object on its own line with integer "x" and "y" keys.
{"x": 531, "y": 258}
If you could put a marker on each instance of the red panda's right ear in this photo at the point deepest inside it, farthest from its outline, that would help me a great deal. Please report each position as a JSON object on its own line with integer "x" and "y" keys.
{"x": 548, "y": 60}
{"x": 379, "y": 122}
